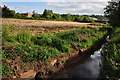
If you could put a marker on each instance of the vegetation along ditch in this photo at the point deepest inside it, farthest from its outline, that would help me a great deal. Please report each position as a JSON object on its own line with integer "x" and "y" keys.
{"x": 44, "y": 53}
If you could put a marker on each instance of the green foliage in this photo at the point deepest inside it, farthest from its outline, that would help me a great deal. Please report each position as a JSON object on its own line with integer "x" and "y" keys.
{"x": 83, "y": 19}
{"x": 56, "y": 16}
{"x": 36, "y": 15}
{"x": 69, "y": 36}
{"x": 52, "y": 41}
{"x": 60, "y": 44}
{"x": 111, "y": 57}
{"x": 45, "y": 46}
{"x": 47, "y": 53}
{"x": 78, "y": 19}
{"x": 47, "y": 13}
{"x": 115, "y": 36}
{"x": 6, "y": 12}
{"x": 29, "y": 52}
{"x": 112, "y": 11}
{"x": 24, "y": 37}
{"x": 5, "y": 31}
{"x": 5, "y": 69}
{"x": 87, "y": 19}
{"x": 18, "y": 15}
{"x": 69, "y": 17}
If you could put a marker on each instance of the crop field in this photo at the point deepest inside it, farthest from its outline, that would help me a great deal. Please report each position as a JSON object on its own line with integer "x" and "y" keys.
{"x": 41, "y": 26}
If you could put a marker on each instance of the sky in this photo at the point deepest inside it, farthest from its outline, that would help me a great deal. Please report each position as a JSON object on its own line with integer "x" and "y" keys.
{"x": 82, "y": 7}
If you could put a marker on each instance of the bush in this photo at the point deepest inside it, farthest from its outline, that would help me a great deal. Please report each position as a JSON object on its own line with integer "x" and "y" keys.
{"x": 29, "y": 52}
{"x": 70, "y": 36}
{"x": 42, "y": 40}
{"x": 24, "y": 37}
{"x": 83, "y": 19}
{"x": 111, "y": 57}
{"x": 47, "y": 53}
{"x": 52, "y": 41}
{"x": 60, "y": 44}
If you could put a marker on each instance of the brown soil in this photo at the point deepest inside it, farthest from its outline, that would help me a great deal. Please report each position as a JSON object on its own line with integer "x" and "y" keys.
{"x": 40, "y": 26}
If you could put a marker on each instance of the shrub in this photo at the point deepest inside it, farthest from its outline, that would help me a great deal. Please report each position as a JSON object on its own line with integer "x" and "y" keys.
{"x": 52, "y": 41}
{"x": 24, "y": 37}
{"x": 111, "y": 57}
{"x": 42, "y": 40}
{"x": 47, "y": 53}
{"x": 69, "y": 36}
{"x": 60, "y": 44}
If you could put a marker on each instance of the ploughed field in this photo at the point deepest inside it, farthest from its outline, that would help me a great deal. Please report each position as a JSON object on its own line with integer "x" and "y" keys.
{"x": 43, "y": 46}
{"x": 41, "y": 26}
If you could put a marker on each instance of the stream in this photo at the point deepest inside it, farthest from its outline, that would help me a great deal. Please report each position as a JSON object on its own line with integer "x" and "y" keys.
{"x": 87, "y": 67}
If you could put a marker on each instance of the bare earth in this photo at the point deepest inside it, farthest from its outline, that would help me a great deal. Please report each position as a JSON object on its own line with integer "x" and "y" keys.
{"x": 41, "y": 26}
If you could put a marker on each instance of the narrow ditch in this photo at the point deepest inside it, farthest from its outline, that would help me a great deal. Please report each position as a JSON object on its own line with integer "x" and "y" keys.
{"x": 85, "y": 65}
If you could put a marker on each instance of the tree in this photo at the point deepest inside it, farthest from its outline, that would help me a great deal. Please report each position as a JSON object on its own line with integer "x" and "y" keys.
{"x": 47, "y": 13}
{"x": 0, "y": 11}
{"x": 6, "y": 12}
{"x": 87, "y": 19}
{"x": 56, "y": 16}
{"x": 36, "y": 15}
{"x": 112, "y": 11}
{"x": 78, "y": 18}
{"x": 18, "y": 15}
{"x": 68, "y": 17}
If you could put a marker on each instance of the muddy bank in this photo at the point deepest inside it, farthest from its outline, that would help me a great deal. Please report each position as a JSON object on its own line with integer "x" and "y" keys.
{"x": 78, "y": 55}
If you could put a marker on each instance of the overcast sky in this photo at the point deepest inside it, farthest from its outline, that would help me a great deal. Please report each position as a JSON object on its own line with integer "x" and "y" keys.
{"x": 58, "y": 6}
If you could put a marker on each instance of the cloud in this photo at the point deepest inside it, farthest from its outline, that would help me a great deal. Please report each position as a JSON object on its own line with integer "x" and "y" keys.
{"x": 67, "y": 6}
{"x": 80, "y": 7}
{"x": 21, "y": 9}
{"x": 55, "y": 0}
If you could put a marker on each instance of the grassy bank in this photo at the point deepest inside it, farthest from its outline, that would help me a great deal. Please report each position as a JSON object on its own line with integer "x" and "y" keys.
{"x": 110, "y": 67}
{"x": 36, "y": 48}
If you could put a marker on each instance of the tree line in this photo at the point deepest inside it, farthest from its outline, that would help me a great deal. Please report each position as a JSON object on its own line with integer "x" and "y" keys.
{"x": 112, "y": 11}
{"x": 47, "y": 15}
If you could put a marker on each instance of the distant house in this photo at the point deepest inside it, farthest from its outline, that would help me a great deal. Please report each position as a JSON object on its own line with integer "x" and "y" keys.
{"x": 27, "y": 14}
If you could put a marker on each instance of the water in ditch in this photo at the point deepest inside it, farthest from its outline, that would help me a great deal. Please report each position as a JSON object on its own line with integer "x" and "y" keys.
{"x": 88, "y": 67}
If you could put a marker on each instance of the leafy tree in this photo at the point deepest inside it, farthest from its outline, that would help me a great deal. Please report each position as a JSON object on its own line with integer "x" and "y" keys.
{"x": 35, "y": 15}
{"x": 56, "y": 16}
{"x": 0, "y": 11}
{"x": 78, "y": 18}
{"x": 17, "y": 15}
{"x": 69, "y": 17}
{"x": 112, "y": 11}
{"x": 83, "y": 19}
{"x": 6, "y": 12}
{"x": 87, "y": 19}
{"x": 47, "y": 13}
